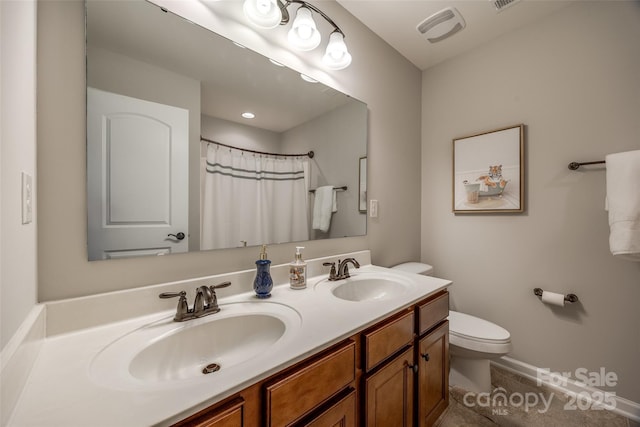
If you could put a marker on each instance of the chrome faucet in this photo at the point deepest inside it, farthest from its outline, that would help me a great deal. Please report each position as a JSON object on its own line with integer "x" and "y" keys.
{"x": 343, "y": 268}
{"x": 206, "y": 302}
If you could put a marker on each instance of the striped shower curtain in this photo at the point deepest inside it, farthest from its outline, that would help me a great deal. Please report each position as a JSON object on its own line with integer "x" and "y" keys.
{"x": 250, "y": 199}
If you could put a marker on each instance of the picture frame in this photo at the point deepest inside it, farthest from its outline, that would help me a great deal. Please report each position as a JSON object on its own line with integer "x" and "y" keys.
{"x": 488, "y": 172}
{"x": 362, "y": 185}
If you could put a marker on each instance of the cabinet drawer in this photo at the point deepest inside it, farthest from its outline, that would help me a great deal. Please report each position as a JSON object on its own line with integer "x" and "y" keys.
{"x": 229, "y": 415}
{"x": 342, "y": 413}
{"x": 432, "y": 312}
{"x": 384, "y": 340}
{"x": 298, "y": 392}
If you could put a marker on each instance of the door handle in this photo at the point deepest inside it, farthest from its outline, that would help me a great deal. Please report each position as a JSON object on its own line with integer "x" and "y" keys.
{"x": 178, "y": 236}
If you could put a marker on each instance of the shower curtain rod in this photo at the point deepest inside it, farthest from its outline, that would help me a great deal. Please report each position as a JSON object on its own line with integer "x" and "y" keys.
{"x": 310, "y": 154}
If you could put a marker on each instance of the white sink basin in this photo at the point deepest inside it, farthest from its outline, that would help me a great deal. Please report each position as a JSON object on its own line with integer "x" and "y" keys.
{"x": 370, "y": 287}
{"x": 165, "y": 351}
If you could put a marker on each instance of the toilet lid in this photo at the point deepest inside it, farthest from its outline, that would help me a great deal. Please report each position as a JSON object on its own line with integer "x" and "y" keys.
{"x": 472, "y": 327}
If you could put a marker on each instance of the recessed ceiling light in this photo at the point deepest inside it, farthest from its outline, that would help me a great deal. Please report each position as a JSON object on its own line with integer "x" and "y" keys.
{"x": 248, "y": 115}
{"x": 276, "y": 63}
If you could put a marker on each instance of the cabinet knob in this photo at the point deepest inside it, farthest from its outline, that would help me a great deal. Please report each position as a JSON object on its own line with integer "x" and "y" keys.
{"x": 425, "y": 356}
{"x": 414, "y": 368}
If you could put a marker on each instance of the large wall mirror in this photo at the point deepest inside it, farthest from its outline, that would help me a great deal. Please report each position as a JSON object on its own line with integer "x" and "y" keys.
{"x": 173, "y": 166}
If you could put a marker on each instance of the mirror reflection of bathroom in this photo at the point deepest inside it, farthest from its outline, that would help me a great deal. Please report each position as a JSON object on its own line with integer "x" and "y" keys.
{"x": 231, "y": 150}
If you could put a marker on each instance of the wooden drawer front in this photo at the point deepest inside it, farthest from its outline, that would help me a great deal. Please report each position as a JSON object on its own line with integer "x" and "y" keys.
{"x": 383, "y": 341}
{"x": 432, "y": 312}
{"x": 296, "y": 394}
{"x": 342, "y": 413}
{"x": 229, "y": 415}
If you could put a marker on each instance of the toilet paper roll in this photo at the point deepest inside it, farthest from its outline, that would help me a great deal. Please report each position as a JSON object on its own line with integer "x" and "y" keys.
{"x": 553, "y": 298}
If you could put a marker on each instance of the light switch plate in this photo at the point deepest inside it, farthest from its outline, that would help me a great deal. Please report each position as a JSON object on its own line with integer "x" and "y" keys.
{"x": 27, "y": 198}
{"x": 373, "y": 208}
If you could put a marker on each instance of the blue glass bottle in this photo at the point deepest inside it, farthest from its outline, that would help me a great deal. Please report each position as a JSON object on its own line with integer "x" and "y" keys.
{"x": 263, "y": 282}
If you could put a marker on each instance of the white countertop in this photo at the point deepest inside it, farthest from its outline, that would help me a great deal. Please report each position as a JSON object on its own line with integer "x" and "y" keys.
{"x": 61, "y": 391}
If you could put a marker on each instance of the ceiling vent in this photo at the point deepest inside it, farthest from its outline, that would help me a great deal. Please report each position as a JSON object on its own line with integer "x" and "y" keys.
{"x": 501, "y": 5}
{"x": 442, "y": 24}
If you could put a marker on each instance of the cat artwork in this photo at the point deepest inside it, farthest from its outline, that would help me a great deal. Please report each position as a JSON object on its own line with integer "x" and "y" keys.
{"x": 494, "y": 179}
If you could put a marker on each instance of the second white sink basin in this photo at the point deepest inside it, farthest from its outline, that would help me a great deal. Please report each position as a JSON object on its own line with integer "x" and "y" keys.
{"x": 370, "y": 287}
{"x": 168, "y": 352}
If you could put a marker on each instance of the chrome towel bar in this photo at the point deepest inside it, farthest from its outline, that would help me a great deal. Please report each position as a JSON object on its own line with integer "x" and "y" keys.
{"x": 575, "y": 165}
{"x": 343, "y": 188}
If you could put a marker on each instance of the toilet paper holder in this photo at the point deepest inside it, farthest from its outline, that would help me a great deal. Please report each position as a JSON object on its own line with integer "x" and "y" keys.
{"x": 567, "y": 297}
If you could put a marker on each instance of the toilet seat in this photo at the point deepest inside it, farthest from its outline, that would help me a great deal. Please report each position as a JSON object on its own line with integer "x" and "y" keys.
{"x": 472, "y": 333}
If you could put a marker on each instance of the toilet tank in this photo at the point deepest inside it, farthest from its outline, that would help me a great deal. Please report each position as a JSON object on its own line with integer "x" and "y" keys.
{"x": 415, "y": 267}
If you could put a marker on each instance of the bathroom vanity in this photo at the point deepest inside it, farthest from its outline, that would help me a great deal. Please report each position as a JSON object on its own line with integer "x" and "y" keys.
{"x": 386, "y": 374}
{"x": 371, "y": 349}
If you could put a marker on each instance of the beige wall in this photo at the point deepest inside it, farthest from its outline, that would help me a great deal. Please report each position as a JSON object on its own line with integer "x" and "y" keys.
{"x": 572, "y": 79}
{"x": 378, "y": 76}
{"x": 336, "y": 138}
{"x": 18, "y": 154}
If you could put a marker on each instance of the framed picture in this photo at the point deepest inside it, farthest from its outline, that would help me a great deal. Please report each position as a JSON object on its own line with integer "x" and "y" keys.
{"x": 488, "y": 172}
{"x": 362, "y": 185}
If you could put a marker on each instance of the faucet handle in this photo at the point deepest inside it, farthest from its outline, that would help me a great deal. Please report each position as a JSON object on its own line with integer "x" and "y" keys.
{"x": 332, "y": 273}
{"x": 219, "y": 286}
{"x": 166, "y": 295}
{"x": 182, "y": 311}
{"x": 213, "y": 306}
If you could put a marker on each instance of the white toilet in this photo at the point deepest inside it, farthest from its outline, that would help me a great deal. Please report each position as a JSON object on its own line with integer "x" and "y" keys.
{"x": 472, "y": 343}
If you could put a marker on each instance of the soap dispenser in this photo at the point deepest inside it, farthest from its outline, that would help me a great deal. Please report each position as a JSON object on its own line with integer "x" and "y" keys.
{"x": 298, "y": 271}
{"x": 263, "y": 283}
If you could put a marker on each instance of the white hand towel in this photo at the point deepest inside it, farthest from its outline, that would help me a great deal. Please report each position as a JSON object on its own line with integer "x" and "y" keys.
{"x": 623, "y": 202}
{"x": 334, "y": 205}
{"x": 323, "y": 207}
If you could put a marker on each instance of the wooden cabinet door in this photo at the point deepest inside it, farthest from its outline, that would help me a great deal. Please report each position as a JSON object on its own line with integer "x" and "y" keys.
{"x": 342, "y": 413}
{"x": 389, "y": 393}
{"x": 433, "y": 374}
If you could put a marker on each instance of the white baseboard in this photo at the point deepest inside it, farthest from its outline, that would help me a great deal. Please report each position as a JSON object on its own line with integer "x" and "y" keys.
{"x": 570, "y": 387}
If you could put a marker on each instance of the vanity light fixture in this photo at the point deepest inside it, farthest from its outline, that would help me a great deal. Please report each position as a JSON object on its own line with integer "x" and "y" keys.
{"x": 303, "y": 35}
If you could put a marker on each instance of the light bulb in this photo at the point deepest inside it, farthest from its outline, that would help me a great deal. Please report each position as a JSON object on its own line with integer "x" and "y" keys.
{"x": 303, "y": 34}
{"x": 263, "y": 13}
{"x": 337, "y": 56}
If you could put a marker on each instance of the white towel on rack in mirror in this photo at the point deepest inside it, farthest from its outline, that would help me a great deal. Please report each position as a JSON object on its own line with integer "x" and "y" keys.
{"x": 334, "y": 203}
{"x": 623, "y": 204}
{"x": 323, "y": 207}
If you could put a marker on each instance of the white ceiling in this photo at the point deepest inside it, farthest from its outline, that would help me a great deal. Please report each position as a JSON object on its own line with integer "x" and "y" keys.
{"x": 232, "y": 79}
{"x": 395, "y": 21}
